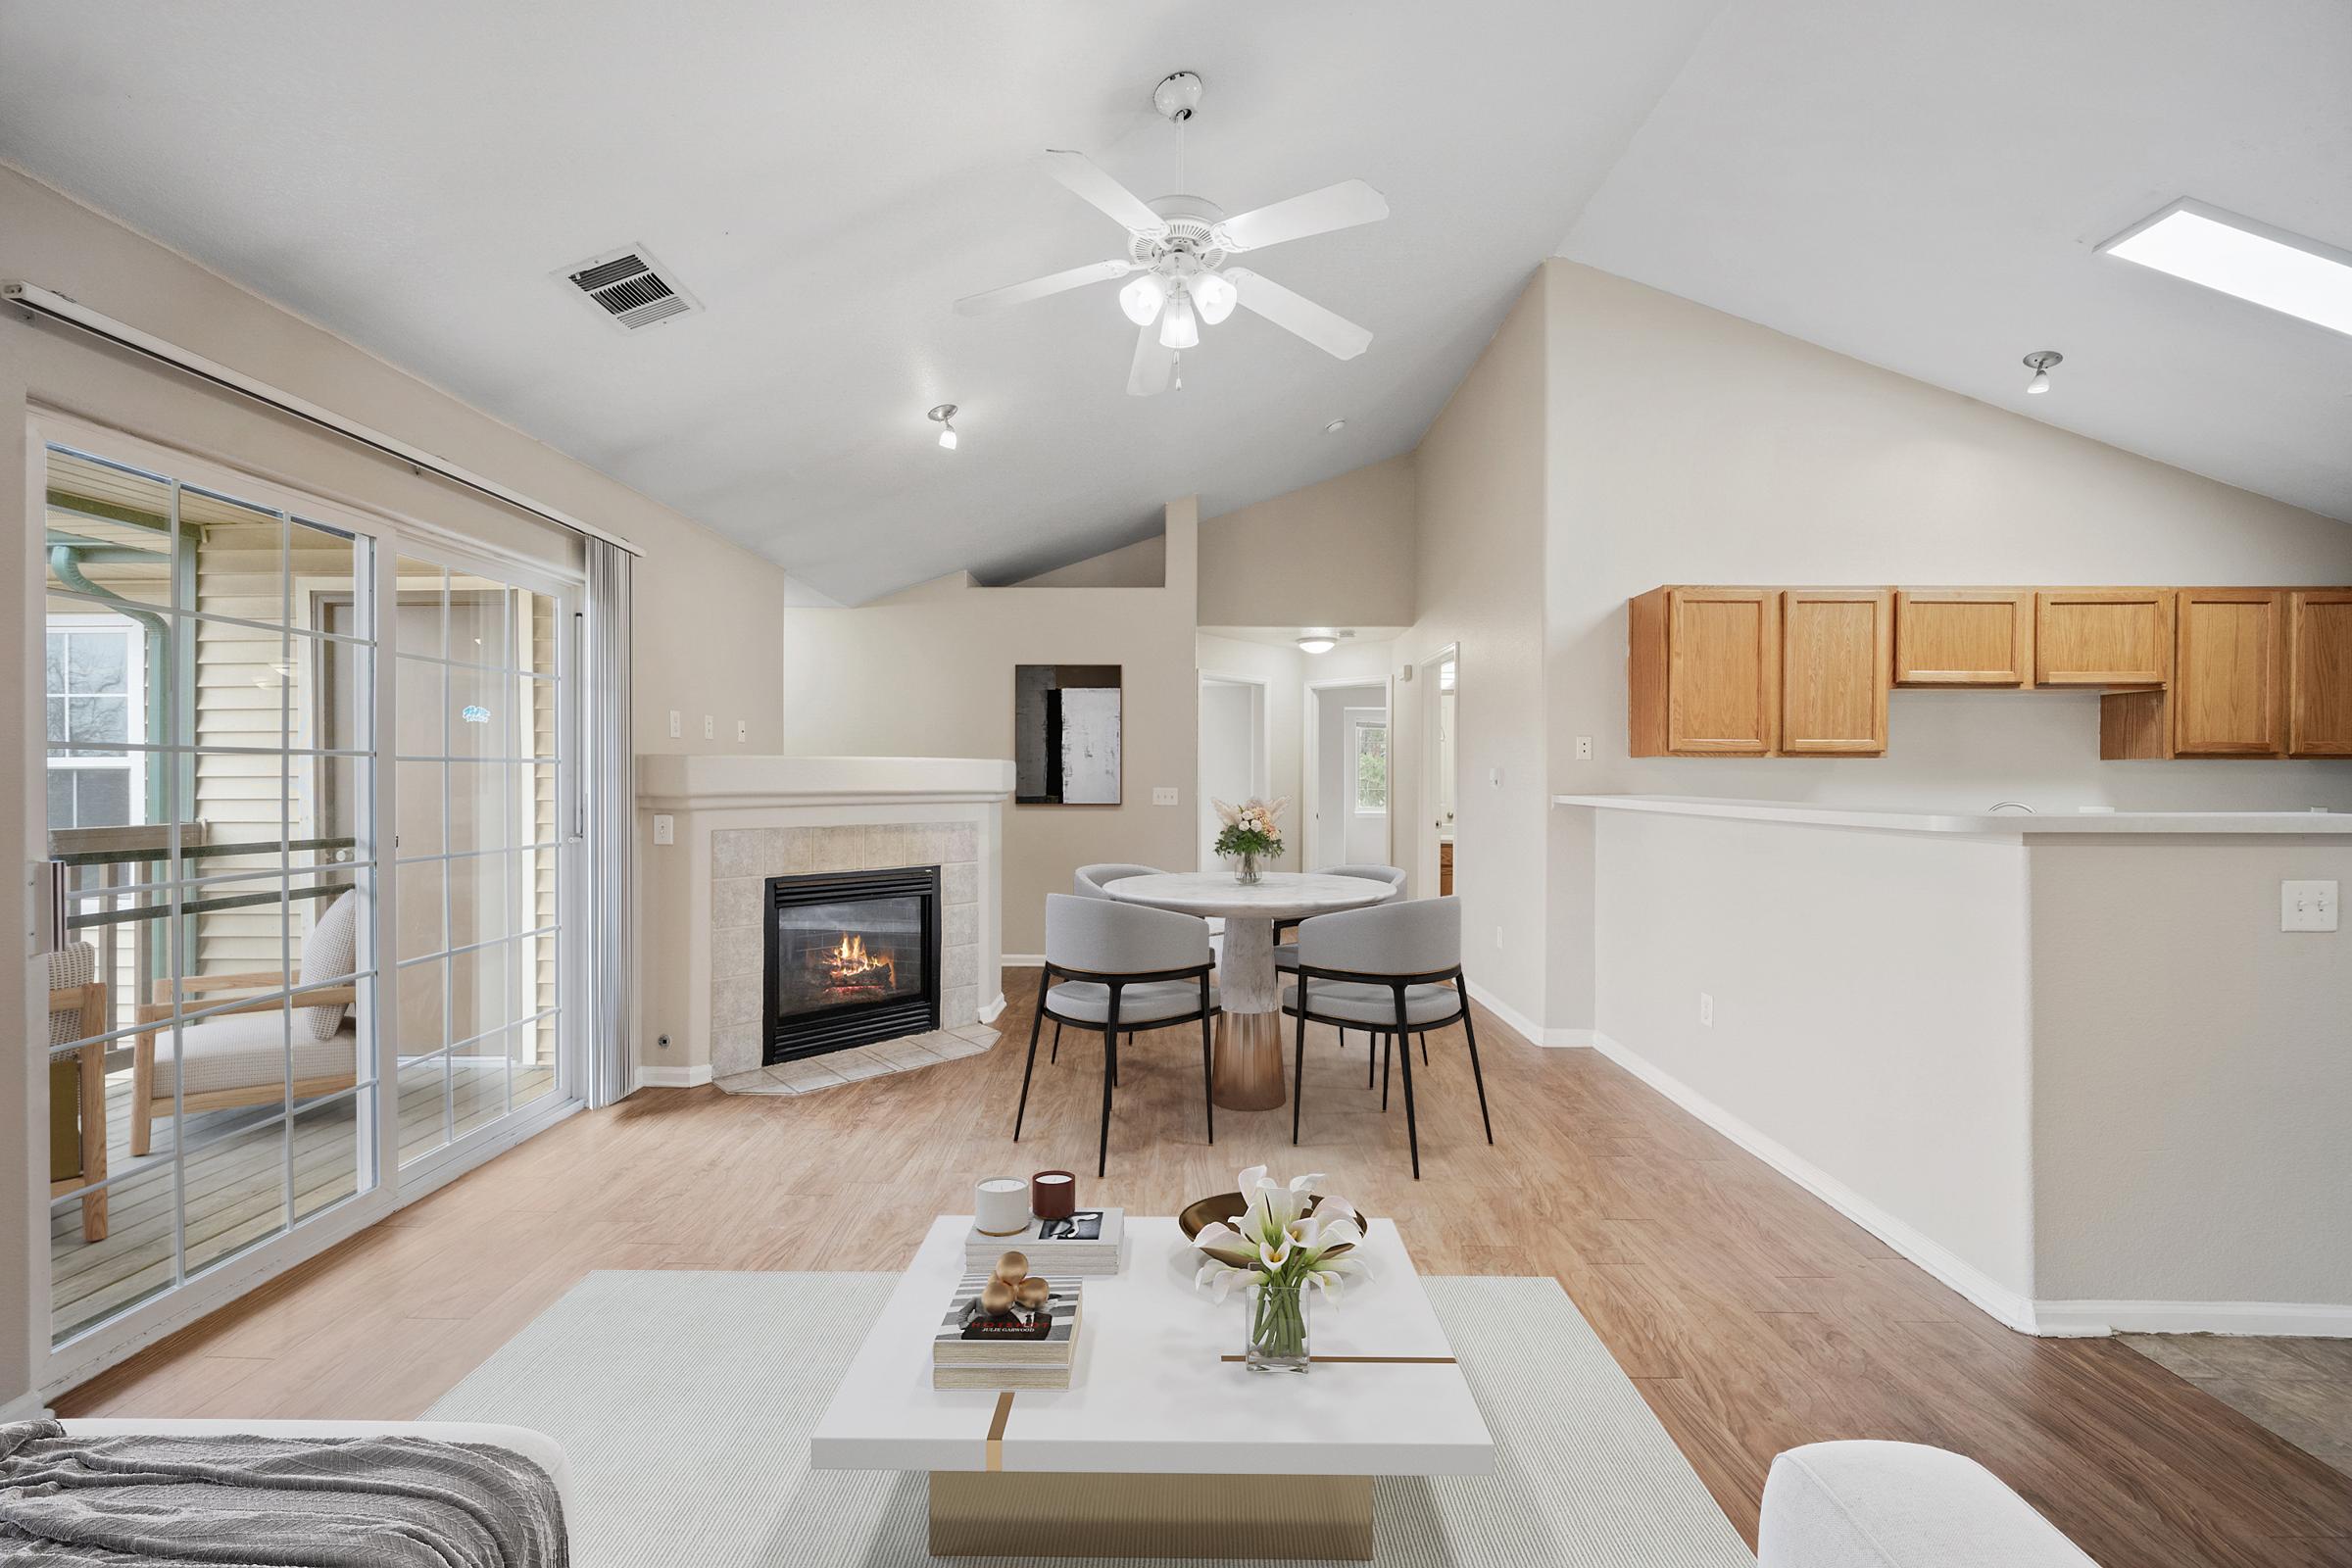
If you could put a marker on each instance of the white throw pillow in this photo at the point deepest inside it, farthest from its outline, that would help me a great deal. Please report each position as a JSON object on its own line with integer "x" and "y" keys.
{"x": 329, "y": 953}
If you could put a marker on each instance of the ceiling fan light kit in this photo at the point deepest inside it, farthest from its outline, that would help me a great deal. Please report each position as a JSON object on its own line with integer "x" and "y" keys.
{"x": 1177, "y": 252}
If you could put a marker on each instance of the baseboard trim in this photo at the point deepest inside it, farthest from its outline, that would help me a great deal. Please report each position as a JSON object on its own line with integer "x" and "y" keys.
{"x": 1023, "y": 960}
{"x": 653, "y": 1076}
{"x": 26, "y": 1406}
{"x": 1524, "y": 1027}
{"x": 992, "y": 1010}
{"x": 2003, "y": 1304}
{"x": 2316, "y": 1320}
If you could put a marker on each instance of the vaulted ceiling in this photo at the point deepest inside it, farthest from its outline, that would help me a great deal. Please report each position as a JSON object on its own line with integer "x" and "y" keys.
{"x": 1919, "y": 186}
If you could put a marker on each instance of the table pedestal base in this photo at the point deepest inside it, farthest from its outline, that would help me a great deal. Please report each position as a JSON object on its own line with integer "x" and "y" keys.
{"x": 1248, "y": 1075}
{"x": 982, "y": 1513}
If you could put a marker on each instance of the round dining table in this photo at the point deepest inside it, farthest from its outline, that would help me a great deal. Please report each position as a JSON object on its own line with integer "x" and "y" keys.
{"x": 1248, "y": 1071}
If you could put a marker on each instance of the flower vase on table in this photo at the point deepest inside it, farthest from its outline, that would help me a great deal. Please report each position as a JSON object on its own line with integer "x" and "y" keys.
{"x": 1287, "y": 1241}
{"x": 1249, "y": 833}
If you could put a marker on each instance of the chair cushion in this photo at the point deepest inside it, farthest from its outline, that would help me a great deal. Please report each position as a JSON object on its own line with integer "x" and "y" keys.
{"x": 70, "y": 967}
{"x": 1286, "y": 956}
{"x": 1088, "y": 1001}
{"x": 248, "y": 1050}
{"x": 328, "y": 954}
{"x": 1360, "y": 1003}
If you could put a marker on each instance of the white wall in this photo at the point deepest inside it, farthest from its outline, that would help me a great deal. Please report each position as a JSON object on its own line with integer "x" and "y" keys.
{"x": 1233, "y": 753}
{"x": 1328, "y": 711}
{"x": 1868, "y": 1008}
{"x": 2192, "y": 1075}
{"x": 928, "y": 672}
{"x": 1690, "y": 446}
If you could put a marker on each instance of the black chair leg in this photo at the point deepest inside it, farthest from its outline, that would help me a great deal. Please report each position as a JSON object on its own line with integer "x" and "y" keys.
{"x": 1297, "y": 1072}
{"x": 1056, "y": 1056}
{"x": 1413, "y": 1130}
{"x": 1371, "y": 1060}
{"x": 1470, "y": 1034}
{"x": 1384, "y": 1072}
{"x": 1030, "y": 1068}
{"x": 1208, "y": 1099}
{"x": 1424, "y": 1047}
{"x": 1110, "y": 1077}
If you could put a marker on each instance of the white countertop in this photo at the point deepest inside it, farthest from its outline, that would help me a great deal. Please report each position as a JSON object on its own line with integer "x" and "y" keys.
{"x": 2006, "y": 825}
{"x": 1152, "y": 1395}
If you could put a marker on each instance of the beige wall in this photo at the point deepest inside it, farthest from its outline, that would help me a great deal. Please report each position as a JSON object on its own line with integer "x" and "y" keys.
{"x": 1333, "y": 553}
{"x": 1141, "y": 565}
{"x": 706, "y": 637}
{"x": 1690, "y": 446}
{"x": 930, "y": 675}
{"x": 1478, "y": 563}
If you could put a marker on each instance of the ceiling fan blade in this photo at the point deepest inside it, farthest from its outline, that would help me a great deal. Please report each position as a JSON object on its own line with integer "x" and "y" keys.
{"x": 1037, "y": 288}
{"x": 1333, "y": 333}
{"x": 1123, "y": 206}
{"x": 1342, "y": 206}
{"x": 1148, "y": 375}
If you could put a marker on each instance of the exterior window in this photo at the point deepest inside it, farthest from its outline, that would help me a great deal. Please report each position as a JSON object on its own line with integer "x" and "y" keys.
{"x": 1371, "y": 769}
{"x": 93, "y": 689}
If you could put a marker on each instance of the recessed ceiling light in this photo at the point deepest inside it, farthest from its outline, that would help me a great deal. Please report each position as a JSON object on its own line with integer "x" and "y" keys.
{"x": 2255, "y": 261}
{"x": 2040, "y": 362}
{"x": 945, "y": 413}
{"x": 1335, "y": 428}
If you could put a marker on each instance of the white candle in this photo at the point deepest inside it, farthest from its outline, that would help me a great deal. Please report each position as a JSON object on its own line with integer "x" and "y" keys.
{"x": 1001, "y": 1205}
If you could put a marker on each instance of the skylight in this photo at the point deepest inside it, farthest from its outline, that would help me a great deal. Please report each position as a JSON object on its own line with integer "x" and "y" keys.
{"x": 2237, "y": 255}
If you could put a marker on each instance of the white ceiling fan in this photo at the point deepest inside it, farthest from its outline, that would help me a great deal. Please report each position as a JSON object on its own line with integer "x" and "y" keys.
{"x": 1179, "y": 246}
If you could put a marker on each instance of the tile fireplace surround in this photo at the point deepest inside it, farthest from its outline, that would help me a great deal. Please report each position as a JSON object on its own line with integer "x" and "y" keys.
{"x": 739, "y": 820}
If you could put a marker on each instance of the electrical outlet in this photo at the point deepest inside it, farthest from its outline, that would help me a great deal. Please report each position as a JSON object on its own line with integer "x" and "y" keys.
{"x": 2308, "y": 905}
{"x": 1706, "y": 1008}
{"x": 743, "y": 729}
{"x": 1163, "y": 795}
{"x": 1583, "y": 747}
{"x": 665, "y": 828}
{"x": 662, "y": 1042}
{"x": 1498, "y": 937}
{"x": 677, "y": 723}
{"x": 709, "y": 727}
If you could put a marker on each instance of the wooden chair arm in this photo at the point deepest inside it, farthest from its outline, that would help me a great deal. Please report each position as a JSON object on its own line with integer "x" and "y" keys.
{"x": 315, "y": 997}
{"x": 260, "y": 980}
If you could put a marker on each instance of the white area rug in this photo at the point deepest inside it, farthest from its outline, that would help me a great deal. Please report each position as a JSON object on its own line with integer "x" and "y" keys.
{"x": 685, "y": 1400}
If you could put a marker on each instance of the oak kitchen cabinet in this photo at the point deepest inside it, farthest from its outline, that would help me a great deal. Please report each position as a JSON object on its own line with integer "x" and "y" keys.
{"x": 1836, "y": 649}
{"x": 2102, "y": 636}
{"x": 1704, "y": 672}
{"x": 1976, "y": 637}
{"x": 2319, "y": 636}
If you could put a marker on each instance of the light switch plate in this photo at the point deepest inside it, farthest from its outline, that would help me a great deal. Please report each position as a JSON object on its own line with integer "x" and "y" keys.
{"x": 1706, "y": 1008}
{"x": 665, "y": 828}
{"x": 2308, "y": 905}
{"x": 1583, "y": 747}
{"x": 1163, "y": 795}
{"x": 709, "y": 727}
{"x": 677, "y": 723}
{"x": 743, "y": 729}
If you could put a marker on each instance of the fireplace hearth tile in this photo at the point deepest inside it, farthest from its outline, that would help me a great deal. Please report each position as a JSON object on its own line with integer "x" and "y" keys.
{"x": 839, "y": 1069}
{"x": 963, "y": 844}
{"x": 978, "y": 1033}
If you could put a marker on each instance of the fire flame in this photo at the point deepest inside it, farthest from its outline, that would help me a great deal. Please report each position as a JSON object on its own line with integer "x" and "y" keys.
{"x": 849, "y": 965}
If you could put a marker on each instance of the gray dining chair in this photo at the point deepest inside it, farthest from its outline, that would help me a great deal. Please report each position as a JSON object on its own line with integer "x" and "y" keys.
{"x": 1394, "y": 970}
{"x": 1089, "y": 882}
{"x": 1286, "y": 953}
{"x": 1122, "y": 968}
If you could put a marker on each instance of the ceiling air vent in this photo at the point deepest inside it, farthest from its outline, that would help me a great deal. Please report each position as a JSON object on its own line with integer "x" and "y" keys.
{"x": 631, "y": 288}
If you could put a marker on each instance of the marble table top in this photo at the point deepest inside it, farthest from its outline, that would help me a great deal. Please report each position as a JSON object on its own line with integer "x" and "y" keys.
{"x": 1278, "y": 896}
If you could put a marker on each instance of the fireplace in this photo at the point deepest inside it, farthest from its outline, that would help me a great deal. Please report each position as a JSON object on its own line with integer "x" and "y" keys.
{"x": 852, "y": 957}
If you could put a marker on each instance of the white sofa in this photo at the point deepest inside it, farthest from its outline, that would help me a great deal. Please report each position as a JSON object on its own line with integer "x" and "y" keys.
{"x": 1900, "y": 1506}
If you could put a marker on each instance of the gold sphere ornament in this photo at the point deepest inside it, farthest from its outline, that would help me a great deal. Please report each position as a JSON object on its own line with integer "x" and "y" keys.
{"x": 1033, "y": 1293}
{"x": 1012, "y": 1267}
{"x": 995, "y": 1297}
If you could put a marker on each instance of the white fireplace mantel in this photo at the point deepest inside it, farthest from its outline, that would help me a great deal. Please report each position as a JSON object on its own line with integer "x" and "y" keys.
{"x": 710, "y": 828}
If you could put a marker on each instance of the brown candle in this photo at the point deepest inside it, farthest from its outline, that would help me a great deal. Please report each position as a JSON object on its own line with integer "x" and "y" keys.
{"x": 1053, "y": 1194}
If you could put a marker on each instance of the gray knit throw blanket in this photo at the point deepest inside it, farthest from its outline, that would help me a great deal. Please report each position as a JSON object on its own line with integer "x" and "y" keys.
{"x": 316, "y": 1502}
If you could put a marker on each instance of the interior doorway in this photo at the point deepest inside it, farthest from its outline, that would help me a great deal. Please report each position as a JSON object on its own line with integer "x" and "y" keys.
{"x": 1346, "y": 774}
{"x": 1233, "y": 752}
{"x": 1440, "y": 681}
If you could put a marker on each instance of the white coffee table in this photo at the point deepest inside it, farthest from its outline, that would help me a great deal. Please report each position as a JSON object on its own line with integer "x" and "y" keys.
{"x": 1165, "y": 1444}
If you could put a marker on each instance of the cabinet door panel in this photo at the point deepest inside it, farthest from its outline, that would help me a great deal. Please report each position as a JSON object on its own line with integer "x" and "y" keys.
{"x": 2320, "y": 672}
{"x": 1723, "y": 672}
{"x": 1963, "y": 637}
{"x": 2103, "y": 637}
{"x": 2229, "y": 697}
{"x": 1836, "y": 647}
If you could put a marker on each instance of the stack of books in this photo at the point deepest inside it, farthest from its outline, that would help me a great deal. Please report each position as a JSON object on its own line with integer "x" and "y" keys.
{"x": 1087, "y": 1243}
{"x": 1026, "y": 1343}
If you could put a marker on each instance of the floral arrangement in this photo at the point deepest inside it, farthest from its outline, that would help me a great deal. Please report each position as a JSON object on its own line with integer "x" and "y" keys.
{"x": 1287, "y": 1238}
{"x": 1250, "y": 828}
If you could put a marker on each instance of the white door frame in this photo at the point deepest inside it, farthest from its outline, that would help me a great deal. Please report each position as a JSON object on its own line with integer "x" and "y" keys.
{"x": 1424, "y": 844}
{"x": 1310, "y": 834}
{"x": 1261, "y": 745}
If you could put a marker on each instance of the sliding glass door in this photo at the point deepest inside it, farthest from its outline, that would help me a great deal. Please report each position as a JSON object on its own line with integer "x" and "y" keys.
{"x": 481, "y": 749}
{"x": 212, "y": 1064}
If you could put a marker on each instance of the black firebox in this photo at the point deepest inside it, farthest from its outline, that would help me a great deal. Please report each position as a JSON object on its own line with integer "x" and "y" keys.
{"x": 853, "y": 957}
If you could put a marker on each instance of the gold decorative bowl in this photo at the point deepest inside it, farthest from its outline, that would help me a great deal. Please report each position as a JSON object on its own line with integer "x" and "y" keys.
{"x": 1228, "y": 1206}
